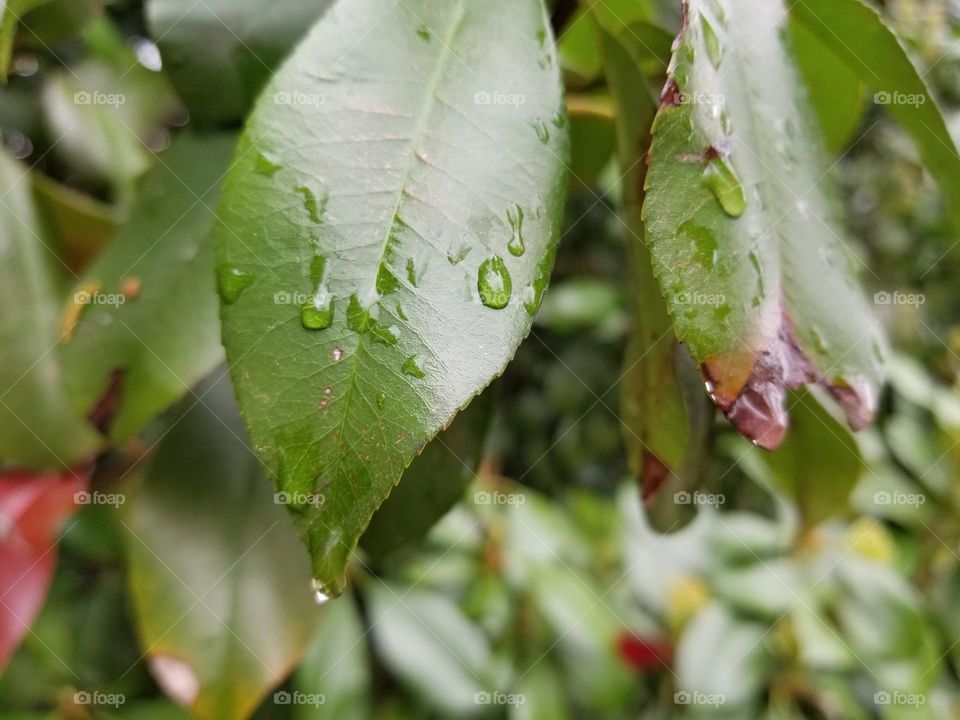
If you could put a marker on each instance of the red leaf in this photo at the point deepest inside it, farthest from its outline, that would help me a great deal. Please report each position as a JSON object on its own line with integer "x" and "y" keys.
{"x": 32, "y": 508}
{"x": 643, "y": 653}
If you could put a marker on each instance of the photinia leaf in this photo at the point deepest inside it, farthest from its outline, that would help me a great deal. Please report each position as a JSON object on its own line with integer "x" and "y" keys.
{"x": 219, "y": 582}
{"x": 659, "y": 434}
{"x": 148, "y": 306}
{"x": 32, "y": 509}
{"x": 855, "y": 32}
{"x": 743, "y": 229}
{"x": 38, "y": 429}
{"x": 386, "y": 236}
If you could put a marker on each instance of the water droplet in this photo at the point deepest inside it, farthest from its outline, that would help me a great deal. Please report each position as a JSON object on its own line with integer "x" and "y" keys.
{"x": 386, "y": 335}
{"x": 543, "y": 132}
{"x": 387, "y": 282}
{"x": 494, "y": 283}
{"x": 559, "y": 120}
{"x": 414, "y": 367}
{"x": 320, "y": 593}
{"x": 705, "y": 244}
{"x": 412, "y": 276}
{"x": 714, "y": 48}
{"x": 337, "y": 354}
{"x": 541, "y": 37}
{"x": 720, "y": 177}
{"x": 318, "y": 269}
{"x": 359, "y": 318}
{"x": 725, "y": 122}
{"x": 266, "y": 166}
{"x": 231, "y": 282}
{"x": 516, "y": 246}
{"x": 454, "y": 257}
{"x": 400, "y": 313}
{"x": 821, "y": 343}
{"x": 315, "y": 208}
{"x": 761, "y": 287}
{"x": 318, "y": 313}
{"x": 423, "y": 32}
{"x": 381, "y": 400}
{"x": 533, "y": 293}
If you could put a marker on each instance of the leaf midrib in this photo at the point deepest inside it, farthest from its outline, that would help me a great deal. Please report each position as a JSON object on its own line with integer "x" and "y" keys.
{"x": 415, "y": 140}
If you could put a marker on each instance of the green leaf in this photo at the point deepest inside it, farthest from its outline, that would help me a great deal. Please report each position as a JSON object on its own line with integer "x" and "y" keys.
{"x": 834, "y": 90}
{"x": 426, "y": 641}
{"x": 375, "y": 194}
{"x": 858, "y": 34}
{"x": 743, "y": 229}
{"x": 657, "y": 423}
{"x": 431, "y": 485}
{"x": 336, "y": 668}
{"x": 220, "y": 53}
{"x": 219, "y": 582}
{"x": 10, "y": 13}
{"x": 38, "y": 428}
{"x": 149, "y": 303}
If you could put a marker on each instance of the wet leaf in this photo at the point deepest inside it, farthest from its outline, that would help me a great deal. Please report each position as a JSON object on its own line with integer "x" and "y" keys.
{"x": 858, "y": 34}
{"x": 32, "y": 509}
{"x": 386, "y": 237}
{"x": 220, "y": 585}
{"x": 656, "y": 421}
{"x": 745, "y": 237}
{"x": 38, "y": 428}
{"x": 152, "y": 316}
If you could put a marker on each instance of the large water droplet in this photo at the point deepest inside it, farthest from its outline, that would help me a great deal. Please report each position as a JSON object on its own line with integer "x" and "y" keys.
{"x": 714, "y": 48}
{"x": 414, "y": 367}
{"x": 320, "y": 593}
{"x": 543, "y": 132}
{"x": 318, "y": 313}
{"x": 315, "y": 208}
{"x": 494, "y": 283}
{"x": 705, "y": 246}
{"x": 231, "y": 282}
{"x": 266, "y": 166}
{"x": 517, "y": 246}
{"x": 719, "y": 176}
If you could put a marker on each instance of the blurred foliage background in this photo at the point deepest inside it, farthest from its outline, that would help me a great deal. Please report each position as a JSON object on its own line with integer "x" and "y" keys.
{"x": 820, "y": 582}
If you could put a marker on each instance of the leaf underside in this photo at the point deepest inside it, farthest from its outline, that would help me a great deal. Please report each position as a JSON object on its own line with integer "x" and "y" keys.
{"x": 744, "y": 233}
{"x": 400, "y": 189}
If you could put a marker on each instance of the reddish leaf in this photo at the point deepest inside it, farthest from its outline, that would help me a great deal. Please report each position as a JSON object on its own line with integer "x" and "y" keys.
{"x": 32, "y": 508}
